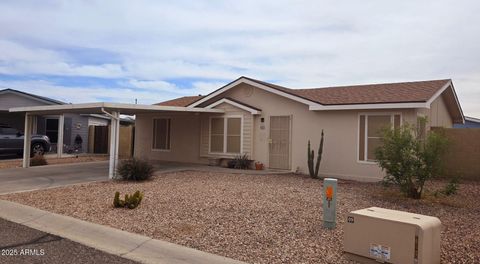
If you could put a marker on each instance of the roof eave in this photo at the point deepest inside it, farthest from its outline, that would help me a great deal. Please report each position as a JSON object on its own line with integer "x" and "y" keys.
{"x": 370, "y": 106}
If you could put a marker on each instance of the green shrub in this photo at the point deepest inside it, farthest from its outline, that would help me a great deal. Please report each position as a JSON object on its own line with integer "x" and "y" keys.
{"x": 410, "y": 158}
{"x": 130, "y": 201}
{"x": 240, "y": 162}
{"x": 313, "y": 170}
{"x": 134, "y": 170}
{"x": 451, "y": 187}
{"x": 38, "y": 160}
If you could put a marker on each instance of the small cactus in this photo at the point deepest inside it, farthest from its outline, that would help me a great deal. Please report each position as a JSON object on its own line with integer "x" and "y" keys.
{"x": 130, "y": 202}
{"x": 313, "y": 170}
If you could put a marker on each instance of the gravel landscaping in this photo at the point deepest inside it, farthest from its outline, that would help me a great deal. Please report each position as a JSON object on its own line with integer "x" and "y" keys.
{"x": 258, "y": 218}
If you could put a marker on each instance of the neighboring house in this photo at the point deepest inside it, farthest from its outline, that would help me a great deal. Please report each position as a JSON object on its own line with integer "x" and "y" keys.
{"x": 272, "y": 124}
{"x": 75, "y": 124}
{"x": 470, "y": 122}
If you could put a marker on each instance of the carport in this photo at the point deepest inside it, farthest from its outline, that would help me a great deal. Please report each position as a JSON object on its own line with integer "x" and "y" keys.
{"x": 112, "y": 110}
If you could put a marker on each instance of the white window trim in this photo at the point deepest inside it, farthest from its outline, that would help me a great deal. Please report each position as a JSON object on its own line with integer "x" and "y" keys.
{"x": 225, "y": 117}
{"x": 154, "y": 137}
{"x": 366, "y": 114}
{"x": 233, "y": 103}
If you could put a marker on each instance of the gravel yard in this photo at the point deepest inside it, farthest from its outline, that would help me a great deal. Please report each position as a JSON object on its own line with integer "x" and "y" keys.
{"x": 257, "y": 218}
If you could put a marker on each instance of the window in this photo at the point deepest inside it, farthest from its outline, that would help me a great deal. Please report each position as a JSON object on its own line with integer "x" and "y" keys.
{"x": 8, "y": 131}
{"x": 225, "y": 134}
{"x": 370, "y": 133}
{"x": 161, "y": 133}
{"x": 216, "y": 134}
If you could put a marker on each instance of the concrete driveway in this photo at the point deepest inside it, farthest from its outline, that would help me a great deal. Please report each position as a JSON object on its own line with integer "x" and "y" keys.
{"x": 20, "y": 179}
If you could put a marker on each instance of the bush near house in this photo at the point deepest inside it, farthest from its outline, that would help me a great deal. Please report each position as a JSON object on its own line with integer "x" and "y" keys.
{"x": 38, "y": 160}
{"x": 410, "y": 157}
{"x": 134, "y": 170}
{"x": 241, "y": 162}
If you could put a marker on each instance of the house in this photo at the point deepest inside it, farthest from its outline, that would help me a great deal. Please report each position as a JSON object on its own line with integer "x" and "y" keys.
{"x": 272, "y": 124}
{"x": 470, "y": 122}
{"x": 76, "y": 125}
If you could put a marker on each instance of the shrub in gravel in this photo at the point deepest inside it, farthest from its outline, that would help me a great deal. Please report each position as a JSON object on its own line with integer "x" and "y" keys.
{"x": 134, "y": 170}
{"x": 410, "y": 157}
{"x": 38, "y": 160}
{"x": 130, "y": 201}
{"x": 450, "y": 189}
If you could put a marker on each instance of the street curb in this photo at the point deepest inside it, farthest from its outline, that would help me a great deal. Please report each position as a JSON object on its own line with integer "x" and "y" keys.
{"x": 111, "y": 240}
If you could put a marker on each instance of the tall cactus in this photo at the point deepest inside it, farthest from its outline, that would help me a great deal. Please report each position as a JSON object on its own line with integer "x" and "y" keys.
{"x": 311, "y": 156}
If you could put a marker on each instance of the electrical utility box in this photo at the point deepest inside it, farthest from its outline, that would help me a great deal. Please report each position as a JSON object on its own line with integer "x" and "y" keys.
{"x": 374, "y": 235}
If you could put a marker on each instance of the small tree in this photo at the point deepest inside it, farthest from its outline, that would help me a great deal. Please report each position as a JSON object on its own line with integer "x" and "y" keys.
{"x": 410, "y": 157}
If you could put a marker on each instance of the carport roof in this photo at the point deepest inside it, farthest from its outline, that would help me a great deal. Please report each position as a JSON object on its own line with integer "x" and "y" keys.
{"x": 98, "y": 108}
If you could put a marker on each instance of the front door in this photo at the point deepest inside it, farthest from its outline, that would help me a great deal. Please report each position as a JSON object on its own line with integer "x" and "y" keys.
{"x": 279, "y": 155}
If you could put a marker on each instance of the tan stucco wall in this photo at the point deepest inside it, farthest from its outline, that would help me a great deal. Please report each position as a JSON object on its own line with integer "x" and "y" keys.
{"x": 340, "y": 127}
{"x": 185, "y": 138}
{"x": 190, "y": 133}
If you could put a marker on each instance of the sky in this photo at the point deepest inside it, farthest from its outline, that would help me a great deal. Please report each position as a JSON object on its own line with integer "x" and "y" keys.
{"x": 119, "y": 51}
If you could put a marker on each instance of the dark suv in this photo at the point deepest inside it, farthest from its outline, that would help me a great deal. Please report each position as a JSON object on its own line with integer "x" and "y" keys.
{"x": 11, "y": 142}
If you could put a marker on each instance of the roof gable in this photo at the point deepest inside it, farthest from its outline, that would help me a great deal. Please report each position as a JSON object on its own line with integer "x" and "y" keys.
{"x": 35, "y": 97}
{"x": 253, "y": 110}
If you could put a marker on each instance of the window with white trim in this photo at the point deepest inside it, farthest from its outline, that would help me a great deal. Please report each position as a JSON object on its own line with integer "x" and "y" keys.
{"x": 225, "y": 135}
{"x": 370, "y": 133}
{"x": 161, "y": 133}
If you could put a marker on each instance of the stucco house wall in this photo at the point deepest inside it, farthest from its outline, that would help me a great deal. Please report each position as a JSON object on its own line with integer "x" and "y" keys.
{"x": 190, "y": 132}
{"x": 185, "y": 138}
{"x": 340, "y": 128}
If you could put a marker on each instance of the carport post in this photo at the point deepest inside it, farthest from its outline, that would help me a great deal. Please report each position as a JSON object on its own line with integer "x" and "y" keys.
{"x": 114, "y": 139}
{"x": 61, "y": 125}
{"x": 27, "y": 138}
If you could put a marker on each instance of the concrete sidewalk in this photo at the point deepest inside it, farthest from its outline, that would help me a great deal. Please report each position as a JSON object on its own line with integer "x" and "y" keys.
{"x": 114, "y": 241}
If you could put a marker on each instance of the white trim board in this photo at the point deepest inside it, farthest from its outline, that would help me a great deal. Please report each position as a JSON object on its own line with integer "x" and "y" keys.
{"x": 233, "y": 103}
{"x": 87, "y": 108}
{"x": 369, "y": 106}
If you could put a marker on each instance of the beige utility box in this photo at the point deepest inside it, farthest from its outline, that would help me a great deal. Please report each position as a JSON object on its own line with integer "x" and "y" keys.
{"x": 375, "y": 235}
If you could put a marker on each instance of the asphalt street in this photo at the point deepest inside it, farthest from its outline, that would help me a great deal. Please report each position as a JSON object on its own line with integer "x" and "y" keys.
{"x": 21, "y": 244}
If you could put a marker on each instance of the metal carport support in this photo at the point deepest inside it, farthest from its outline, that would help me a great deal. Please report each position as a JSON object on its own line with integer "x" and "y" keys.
{"x": 110, "y": 109}
{"x": 27, "y": 139}
{"x": 114, "y": 142}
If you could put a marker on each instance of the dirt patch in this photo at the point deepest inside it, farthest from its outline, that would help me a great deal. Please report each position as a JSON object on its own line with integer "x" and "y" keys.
{"x": 256, "y": 218}
{"x": 16, "y": 163}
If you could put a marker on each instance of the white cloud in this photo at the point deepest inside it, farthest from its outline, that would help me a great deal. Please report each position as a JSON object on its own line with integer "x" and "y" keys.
{"x": 297, "y": 44}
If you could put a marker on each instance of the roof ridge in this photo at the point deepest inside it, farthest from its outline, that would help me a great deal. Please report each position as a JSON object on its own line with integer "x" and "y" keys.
{"x": 369, "y": 84}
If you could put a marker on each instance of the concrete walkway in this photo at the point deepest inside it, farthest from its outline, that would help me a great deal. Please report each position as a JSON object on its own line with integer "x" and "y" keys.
{"x": 114, "y": 241}
{"x": 42, "y": 177}
{"x": 168, "y": 166}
